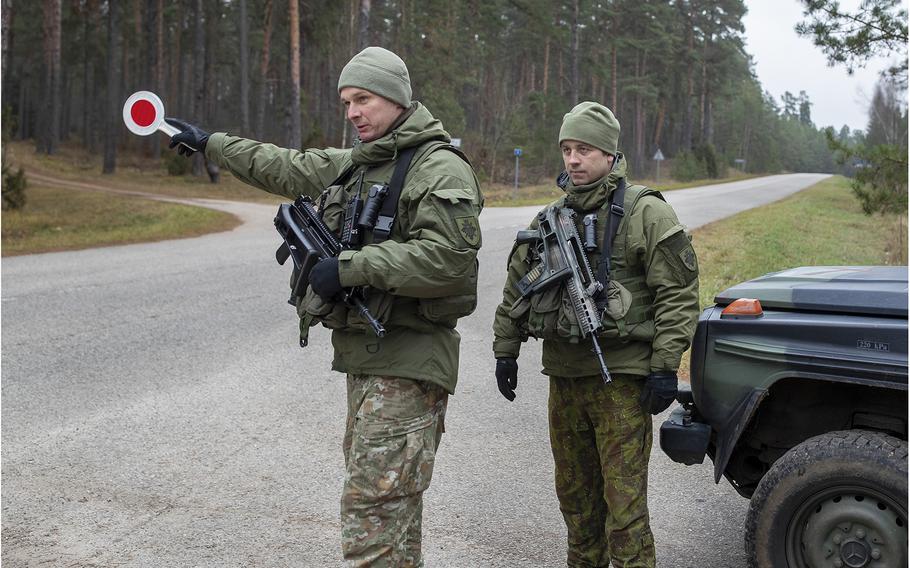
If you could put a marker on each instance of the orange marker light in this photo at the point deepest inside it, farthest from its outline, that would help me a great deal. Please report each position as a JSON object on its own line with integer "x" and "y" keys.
{"x": 743, "y": 307}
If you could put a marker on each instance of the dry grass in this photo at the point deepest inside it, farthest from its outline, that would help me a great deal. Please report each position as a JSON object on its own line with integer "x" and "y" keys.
{"x": 55, "y": 219}
{"x": 822, "y": 225}
{"x": 58, "y": 219}
{"x": 501, "y": 195}
{"x": 134, "y": 173}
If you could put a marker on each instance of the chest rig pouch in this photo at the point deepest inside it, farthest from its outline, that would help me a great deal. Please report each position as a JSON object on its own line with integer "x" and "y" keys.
{"x": 363, "y": 213}
{"x": 626, "y": 301}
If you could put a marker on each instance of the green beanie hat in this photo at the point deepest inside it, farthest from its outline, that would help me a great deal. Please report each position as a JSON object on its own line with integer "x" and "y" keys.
{"x": 379, "y": 71}
{"x": 591, "y": 123}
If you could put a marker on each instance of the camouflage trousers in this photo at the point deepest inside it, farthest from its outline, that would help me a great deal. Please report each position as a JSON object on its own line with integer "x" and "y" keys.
{"x": 601, "y": 442}
{"x": 394, "y": 426}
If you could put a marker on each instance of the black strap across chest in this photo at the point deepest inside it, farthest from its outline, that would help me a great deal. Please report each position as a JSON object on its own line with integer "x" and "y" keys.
{"x": 389, "y": 208}
{"x": 617, "y": 212}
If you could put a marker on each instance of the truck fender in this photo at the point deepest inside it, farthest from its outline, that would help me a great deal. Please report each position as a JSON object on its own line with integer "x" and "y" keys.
{"x": 733, "y": 428}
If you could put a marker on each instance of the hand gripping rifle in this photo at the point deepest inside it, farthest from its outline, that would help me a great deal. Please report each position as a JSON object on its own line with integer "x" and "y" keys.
{"x": 562, "y": 258}
{"x": 307, "y": 240}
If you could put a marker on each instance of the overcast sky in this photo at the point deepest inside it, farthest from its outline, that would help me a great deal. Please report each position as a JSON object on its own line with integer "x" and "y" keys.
{"x": 786, "y": 62}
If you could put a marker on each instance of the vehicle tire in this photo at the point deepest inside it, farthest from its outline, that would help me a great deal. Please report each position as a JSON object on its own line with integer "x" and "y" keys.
{"x": 837, "y": 500}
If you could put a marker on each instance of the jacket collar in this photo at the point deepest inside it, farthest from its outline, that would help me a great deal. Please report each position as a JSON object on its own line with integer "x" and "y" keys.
{"x": 418, "y": 127}
{"x": 594, "y": 195}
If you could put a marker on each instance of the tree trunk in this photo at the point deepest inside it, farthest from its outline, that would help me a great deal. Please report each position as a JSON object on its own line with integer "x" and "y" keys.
{"x": 704, "y": 88}
{"x": 294, "y": 135}
{"x": 24, "y": 106}
{"x": 113, "y": 115}
{"x": 708, "y": 132}
{"x": 158, "y": 70}
{"x": 210, "y": 82}
{"x": 49, "y": 131}
{"x": 244, "y": 71}
{"x": 175, "y": 66}
{"x": 160, "y": 65}
{"x": 638, "y": 134}
{"x": 66, "y": 105}
{"x": 546, "y": 65}
{"x": 659, "y": 125}
{"x": 152, "y": 62}
{"x": 689, "y": 118}
{"x": 575, "y": 34}
{"x": 264, "y": 70}
{"x": 88, "y": 28}
{"x": 363, "y": 36}
{"x": 5, "y": 19}
{"x": 198, "y": 80}
{"x": 613, "y": 70}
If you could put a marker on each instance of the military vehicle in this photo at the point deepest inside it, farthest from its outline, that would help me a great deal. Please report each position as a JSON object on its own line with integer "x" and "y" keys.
{"x": 799, "y": 396}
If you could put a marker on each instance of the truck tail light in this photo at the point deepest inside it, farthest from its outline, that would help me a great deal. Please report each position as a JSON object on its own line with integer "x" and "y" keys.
{"x": 743, "y": 307}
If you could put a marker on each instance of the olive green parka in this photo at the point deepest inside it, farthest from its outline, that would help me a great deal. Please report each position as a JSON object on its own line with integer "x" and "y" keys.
{"x": 654, "y": 264}
{"x": 420, "y": 280}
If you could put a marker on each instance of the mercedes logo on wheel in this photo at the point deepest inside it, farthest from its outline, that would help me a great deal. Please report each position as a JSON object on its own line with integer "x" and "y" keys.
{"x": 855, "y": 554}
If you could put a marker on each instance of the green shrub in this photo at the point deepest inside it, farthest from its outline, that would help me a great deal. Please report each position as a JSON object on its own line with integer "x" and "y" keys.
{"x": 14, "y": 189}
{"x": 707, "y": 159}
{"x": 177, "y": 165}
{"x": 686, "y": 167}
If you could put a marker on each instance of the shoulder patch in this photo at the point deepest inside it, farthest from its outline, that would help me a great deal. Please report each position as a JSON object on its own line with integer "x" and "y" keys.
{"x": 688, "y": 258}
{"x": 469, "y": 229}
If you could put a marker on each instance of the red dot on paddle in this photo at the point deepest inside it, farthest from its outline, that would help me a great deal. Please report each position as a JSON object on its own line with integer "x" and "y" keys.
{"x": 143, "y": 112}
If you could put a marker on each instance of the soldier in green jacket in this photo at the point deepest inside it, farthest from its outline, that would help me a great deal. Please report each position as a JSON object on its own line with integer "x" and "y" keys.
{"x": 418, "y": 281}
{"x": 600, "y": 433}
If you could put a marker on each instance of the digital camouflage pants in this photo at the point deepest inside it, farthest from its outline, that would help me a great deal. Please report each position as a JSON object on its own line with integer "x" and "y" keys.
{"x": 601, "y": 442}
{"x": 394, "y": 426}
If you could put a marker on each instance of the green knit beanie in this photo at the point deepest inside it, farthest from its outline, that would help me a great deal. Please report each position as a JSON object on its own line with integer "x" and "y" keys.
{"x": 379, "y": 71}
{"x": 591, "y": 123}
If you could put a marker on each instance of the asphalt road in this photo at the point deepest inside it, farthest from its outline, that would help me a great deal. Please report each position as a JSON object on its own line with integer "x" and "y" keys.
{"x": 158, "y": 412}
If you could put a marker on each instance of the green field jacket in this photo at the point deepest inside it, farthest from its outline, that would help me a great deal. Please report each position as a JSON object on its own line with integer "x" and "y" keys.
{"x": 655, "y": 266}
{"x": 419, "y": 280}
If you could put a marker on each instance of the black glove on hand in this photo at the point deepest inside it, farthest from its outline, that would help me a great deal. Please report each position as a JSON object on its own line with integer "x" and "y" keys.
{"x": 190, "y": 138}
{"x": 507, "y": 376}
{"x": 324, "y": 278}
{"x": 659, "y": 391}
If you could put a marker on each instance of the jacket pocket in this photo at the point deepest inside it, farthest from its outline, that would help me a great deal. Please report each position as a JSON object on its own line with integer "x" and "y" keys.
{"x": 446, "y": 311}
{"x": 619, "y": 300}
{"x": 332, "y": 315}
{"x": 380, "y": 305}
{"x": 457, "y": 206}
{"x": 544, "y": 314}
{"x": 333, "y": 208}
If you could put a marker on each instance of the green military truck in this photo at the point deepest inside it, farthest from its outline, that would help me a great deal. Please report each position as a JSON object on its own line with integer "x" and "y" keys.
{"x": 799, "y": 396}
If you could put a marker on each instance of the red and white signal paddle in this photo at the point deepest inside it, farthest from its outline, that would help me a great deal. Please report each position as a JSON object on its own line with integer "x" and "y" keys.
{"x": 143, "y": 114}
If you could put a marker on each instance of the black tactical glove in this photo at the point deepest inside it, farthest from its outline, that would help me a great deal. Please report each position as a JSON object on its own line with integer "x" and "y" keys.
{"x": 659, "y": 391}
{"x": 190, "y": 139}
{"x": 507, "y": 376}
{"x": 324, "y": 278}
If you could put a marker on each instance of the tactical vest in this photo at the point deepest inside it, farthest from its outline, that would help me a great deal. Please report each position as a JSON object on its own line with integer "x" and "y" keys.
{"x": 629, "y": 311}
{"x": 417, "y": 313}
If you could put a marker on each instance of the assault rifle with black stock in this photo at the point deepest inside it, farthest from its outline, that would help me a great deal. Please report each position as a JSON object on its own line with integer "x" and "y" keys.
{"x": 307, "y": 240}
{"x": 561, "y": 255}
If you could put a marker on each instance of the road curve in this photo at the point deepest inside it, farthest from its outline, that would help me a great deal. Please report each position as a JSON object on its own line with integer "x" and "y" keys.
{"x": 157, "y": 412}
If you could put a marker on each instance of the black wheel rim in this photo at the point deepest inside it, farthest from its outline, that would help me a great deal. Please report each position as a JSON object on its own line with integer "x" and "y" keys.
{"x": 848, "y": 526}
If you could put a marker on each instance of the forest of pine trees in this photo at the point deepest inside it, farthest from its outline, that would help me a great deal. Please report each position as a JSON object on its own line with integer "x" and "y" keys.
{"x": 499, "y": 74}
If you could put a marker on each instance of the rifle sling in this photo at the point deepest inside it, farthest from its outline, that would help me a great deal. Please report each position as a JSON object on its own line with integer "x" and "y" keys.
{"x": 617, "y": 212}
{"x": 386, "y": 218}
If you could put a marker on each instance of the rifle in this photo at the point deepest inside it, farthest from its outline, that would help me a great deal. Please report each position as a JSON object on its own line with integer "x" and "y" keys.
{"x": 307, "y": 240}
{"x": 562, "y": 258}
